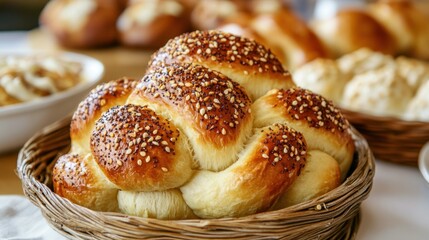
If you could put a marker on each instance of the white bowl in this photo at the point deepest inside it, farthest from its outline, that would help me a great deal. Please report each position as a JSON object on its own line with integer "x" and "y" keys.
{"x": 424, "y": 161}
{"x": 18, "y": 122}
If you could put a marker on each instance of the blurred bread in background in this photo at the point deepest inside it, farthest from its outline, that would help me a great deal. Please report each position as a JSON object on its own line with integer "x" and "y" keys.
{"x": 352, "y": 29}
{"x": 151, "y": 23}
{"x": 371, "y": 82}
{"x": 379, "y": 92}
{"x": 392, "y": 27}
{"x": 418, "y": 109}
{"x": 407, "y": 23}
{"x": 322, "y": 76}
{"x": 362, "y": 60}
{"x": 82, "y": 23}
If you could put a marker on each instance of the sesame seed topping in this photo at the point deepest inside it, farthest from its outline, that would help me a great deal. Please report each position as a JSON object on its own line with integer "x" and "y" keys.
{"x": 164, "y": 169}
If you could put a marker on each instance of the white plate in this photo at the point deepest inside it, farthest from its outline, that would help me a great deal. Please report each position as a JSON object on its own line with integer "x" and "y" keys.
{"x": 19, "y": 122}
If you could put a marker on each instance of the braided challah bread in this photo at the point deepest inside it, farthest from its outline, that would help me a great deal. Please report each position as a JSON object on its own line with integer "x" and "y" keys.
{"x": 215, "y": 128}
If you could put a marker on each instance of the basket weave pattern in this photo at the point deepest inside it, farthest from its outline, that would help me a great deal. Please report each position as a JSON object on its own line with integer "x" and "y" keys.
{"x": 391, "y": 139}
{"x": 334, "y": 215}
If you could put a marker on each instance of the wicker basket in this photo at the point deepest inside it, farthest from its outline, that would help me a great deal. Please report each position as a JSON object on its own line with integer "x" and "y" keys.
{"x": 391, "y": 139}
{"x": 335, "y": 215}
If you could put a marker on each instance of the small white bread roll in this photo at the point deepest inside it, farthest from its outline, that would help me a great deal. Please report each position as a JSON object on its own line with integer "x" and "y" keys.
{"x": 418, "y": 109}
{"x": 380, "y": 92}
{"x": 320, "y": 175}
{"x": 363, "y": 60}
{"x": 416, "y": 72}
{"x": 322, "y": 76}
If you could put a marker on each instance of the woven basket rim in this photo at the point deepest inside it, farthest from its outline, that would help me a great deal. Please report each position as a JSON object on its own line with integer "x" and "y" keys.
{"x": 391, "y": 139}
{"x": 380, "y": 118}
{"x": 357, "y": 186}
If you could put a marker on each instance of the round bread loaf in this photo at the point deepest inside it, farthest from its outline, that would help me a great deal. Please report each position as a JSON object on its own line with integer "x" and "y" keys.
{"x": 82, "y": 23}
{"x": 188, "y": 141}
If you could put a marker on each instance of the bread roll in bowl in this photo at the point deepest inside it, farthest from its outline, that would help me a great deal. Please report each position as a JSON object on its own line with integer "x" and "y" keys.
{"x": 82, "y": 23}
{"x": 187, "y": 141}
{"x": 151, "y": 23}
{"x": 352, "y": 29}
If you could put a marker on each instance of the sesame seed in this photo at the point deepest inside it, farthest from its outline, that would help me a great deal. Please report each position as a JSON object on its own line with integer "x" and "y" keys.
{"x": 264, "y": 155}
{"x": 119, "y": 162}
{"x": 147, "y": 159}
{"x": 167, "y": 149}
{"x": 139, "y": 162}
{"x": 142, "y": 153}
{"x": 128, "y": 152}
{"x": 164, "y": 169}
{"x": 223, "y": 131}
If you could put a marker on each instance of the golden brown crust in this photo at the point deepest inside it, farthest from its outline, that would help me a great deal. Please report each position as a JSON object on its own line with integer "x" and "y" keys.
{"x": 240, "y": 59}
{"x": 282, "y": 152}
{"x": 302, "y": 105}
{"x": 322, "y": 124}
{"x": 214, "y": 104}
{"x": 220, "y": 48}
{"x": 136, "y": 149}
{"x": 70, "y": 172}
{"x": 76, "y": 179}
{"x": 103, "y": 97}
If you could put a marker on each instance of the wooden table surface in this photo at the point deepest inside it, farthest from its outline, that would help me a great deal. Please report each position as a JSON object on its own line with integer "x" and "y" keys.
{"x": 9, "y": 181}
